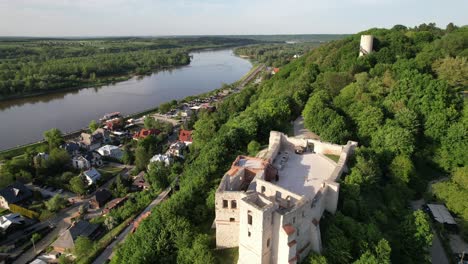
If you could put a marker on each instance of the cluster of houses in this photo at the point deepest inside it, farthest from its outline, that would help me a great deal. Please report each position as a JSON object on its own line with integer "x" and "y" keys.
{"x": 186, "y": 110}
{"x": 176, "y": 149}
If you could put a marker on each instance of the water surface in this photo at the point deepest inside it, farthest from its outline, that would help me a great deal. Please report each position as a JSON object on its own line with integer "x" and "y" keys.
{"x": 24, "y": 120}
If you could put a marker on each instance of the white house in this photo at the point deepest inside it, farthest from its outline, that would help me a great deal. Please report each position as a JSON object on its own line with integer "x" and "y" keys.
{"x": 10, "y": 219}
{"x": 86, "y": 161}
{"x": 92, "y": 176}
{"x": 110, "y": 151}
{"x": 177, "y": 149}
{"x": 80, "y": 162}
{"x": 161, "y": 158}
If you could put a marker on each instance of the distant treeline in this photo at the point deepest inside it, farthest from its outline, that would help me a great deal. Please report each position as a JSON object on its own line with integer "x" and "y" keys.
{"x": 275, "y": 54}
{"x": 29, "y": 66}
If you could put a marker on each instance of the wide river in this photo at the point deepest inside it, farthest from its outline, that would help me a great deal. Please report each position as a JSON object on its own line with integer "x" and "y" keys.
{"x": 24, "y": 120}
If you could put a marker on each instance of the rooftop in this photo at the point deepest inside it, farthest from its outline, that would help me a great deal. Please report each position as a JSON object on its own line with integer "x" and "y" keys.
{"x": 302, "y": 174}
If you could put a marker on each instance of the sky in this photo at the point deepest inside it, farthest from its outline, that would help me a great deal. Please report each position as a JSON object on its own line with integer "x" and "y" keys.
{"x": 219, "y": 17}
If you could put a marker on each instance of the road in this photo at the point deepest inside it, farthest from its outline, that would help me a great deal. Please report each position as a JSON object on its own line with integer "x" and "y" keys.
{"x": 107, "y": 253}
{"x": 61, "y": 222}
{"x": 251, "y": 76}
{"x": 301, "y": 131}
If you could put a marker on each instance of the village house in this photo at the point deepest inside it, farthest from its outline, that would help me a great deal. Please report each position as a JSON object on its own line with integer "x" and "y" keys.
{"x": 275, "y": 71}
{"x": 143, "y": 133}
{"x": 113, "y": 204}
{"x": 40, "y": 158}
{"x": 114, "y": 124}
{"x": 270, "y": 206}
{"x": 66, "y": 241}
{"x": 91, "y": 176}
{"x": 110, "y": 151}
{"x": 139, "y": 182}
{"x": 161, "y": 158}
{"x": 10, "y": 219}
{"x": 87, "y": 160}
{"x": 95, "y": 140}
{"x": 72, "y": 148}
{"x": 100, "y": 199}
{"x": 185, "y": 136}
{"x": 177, "y": 149}
{"x": 15, "y": 193}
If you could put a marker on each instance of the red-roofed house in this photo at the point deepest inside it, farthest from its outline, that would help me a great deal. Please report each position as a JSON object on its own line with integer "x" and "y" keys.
{"x": 145, "y": 133}
{"x": 185, "y": 136}
{"x": 275, "y": 70}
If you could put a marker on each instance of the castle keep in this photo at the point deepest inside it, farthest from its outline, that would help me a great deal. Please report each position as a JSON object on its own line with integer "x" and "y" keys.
{"x": 270, "y": 206}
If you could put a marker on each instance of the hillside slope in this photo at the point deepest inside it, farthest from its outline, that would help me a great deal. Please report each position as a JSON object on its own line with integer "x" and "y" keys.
{"x": 403, "y": 105}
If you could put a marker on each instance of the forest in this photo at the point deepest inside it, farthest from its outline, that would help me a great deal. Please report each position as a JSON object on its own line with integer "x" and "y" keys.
{"x": 403, "y": 103}
{"x": 275, "y": 55}
{"x": 34, "y": 66}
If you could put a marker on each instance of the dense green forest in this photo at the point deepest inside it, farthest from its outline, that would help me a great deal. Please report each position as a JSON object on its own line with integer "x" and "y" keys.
{"x": 275, "y": 55}
{"x": 402, "y": 103}
{"x": 30, "y": 66}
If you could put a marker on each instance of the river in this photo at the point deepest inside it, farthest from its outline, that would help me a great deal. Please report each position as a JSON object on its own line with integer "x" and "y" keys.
{"x": 23, "y": 121}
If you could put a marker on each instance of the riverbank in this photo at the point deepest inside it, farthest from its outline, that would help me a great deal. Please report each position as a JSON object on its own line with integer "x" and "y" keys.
{"x": 102, "y": 82}
{"x": 117, "y": 78}
{"x": 34, "y": 146}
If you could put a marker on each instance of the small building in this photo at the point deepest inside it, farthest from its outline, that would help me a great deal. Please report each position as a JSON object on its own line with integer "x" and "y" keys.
{"x": 10, "y": 219}
{"x": 86, "y": 161}
{"x": 161, "y": 158}
{"x": 110, "y": 151}
{"x": 92, "y": 176}
{"x": 185, "y": 136}
{"x": 14, "y": 194}
{"x": 94, "y": 140}
{"x": 441, "y": 214}
{"x": 139, "y": 182}
{"x": 275, "y": 70}
{"x": 80, "y": 162}
{"x": 144, "y": 133}
{"x": 66, "y": 241}
{"x": 40, "y": 158}
{"x": 100, "y": 199}
{"x": 177, "y": 149}
{"x": 42, "y": 155}
{"x": 114, "y": 124}
{"x": 72, "y": 148}
{"x": 114, "y": 204}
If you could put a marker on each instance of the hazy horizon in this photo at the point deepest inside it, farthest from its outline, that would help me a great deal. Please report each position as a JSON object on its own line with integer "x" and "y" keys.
{"x": 164, "y": 18}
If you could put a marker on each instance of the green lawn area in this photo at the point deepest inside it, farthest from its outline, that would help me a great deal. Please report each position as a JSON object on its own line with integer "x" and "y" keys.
{"x": 227, "y": 256}
{"x": 335, "y": 158}
{"x": 110, "y": 169}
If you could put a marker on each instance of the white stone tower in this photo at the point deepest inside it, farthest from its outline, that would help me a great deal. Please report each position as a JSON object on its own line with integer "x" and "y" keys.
{"x": 367, "y": 42}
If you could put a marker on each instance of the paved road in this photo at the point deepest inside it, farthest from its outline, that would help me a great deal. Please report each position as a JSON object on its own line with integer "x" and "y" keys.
{"x": 107, "y": 253}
